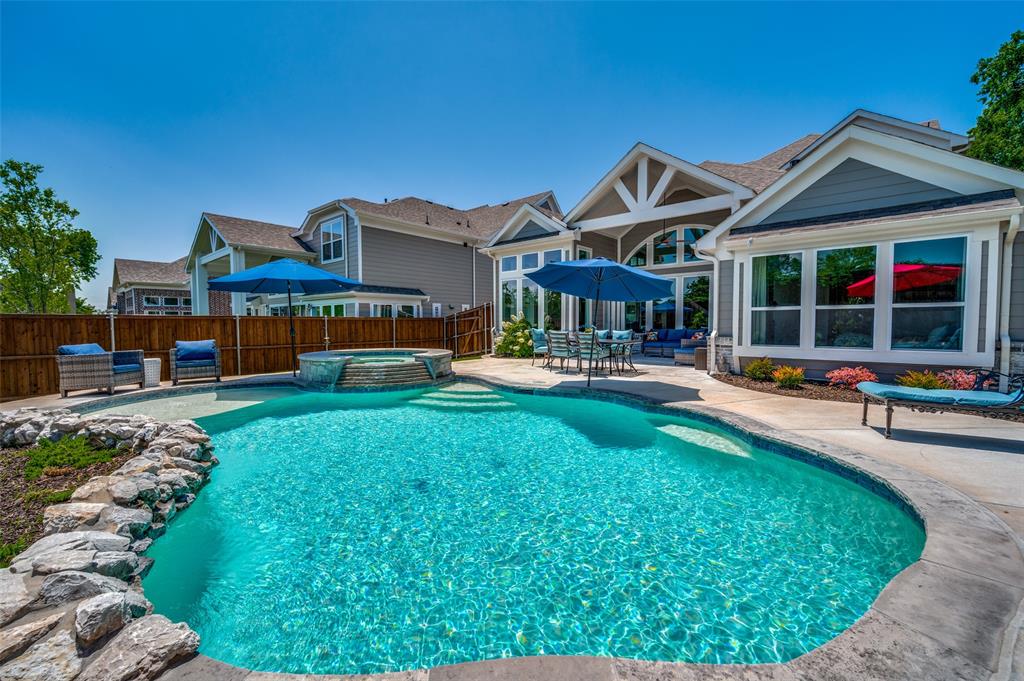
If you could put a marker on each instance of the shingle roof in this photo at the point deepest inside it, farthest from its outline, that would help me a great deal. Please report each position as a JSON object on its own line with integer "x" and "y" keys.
{"x": 479, "y": 222}
{"x": 242, "y": 232}
{"x": 761, "y": 173}
{"x": 150, "y": 271}
{"x": 970, "y": 203}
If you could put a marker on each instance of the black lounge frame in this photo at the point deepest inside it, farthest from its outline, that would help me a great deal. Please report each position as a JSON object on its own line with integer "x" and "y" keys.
{"x": 1010, "y": 411}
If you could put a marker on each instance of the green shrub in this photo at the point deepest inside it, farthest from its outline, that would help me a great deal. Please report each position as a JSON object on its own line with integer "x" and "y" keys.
{"x": 9, "y": 551}
{"x": 68, "y": 453}
{"x": 922, "y": 379}
{"x": 515, "y": 339}
{"x": 760, "y": 369}
{"x": 47, "y": 496}
{"x": 788, "y": 377}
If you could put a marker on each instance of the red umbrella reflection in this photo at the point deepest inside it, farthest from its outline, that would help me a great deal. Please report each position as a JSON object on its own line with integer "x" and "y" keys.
{"x": 906, "y": 277}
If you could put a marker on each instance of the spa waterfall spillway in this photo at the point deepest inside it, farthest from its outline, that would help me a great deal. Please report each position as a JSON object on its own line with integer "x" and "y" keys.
{"x": 374, "y": 368}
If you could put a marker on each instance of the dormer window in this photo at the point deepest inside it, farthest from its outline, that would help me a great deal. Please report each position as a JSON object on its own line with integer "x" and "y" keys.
{"x": 332, "y": 240}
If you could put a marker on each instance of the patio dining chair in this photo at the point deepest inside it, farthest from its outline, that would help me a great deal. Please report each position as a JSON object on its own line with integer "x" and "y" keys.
{"x": 592, "y": 351}
{"x": 540, "y": 346}
{"x": 560, "y": 348}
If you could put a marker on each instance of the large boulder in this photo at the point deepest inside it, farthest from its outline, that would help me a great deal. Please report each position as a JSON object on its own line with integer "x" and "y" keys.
{"x": 14, "y": 640}
{"x": 127, "y": 522}
{"x": 64, "y": 587}
{"x": 69, "y": 541}
{"x": 52, "y": 659}
{"x": 142, "y": 650}
{"x": 14, "y": 596}
{"x": 59, "y": 561}
{"x": 76, "y": 515}
{"x": 104, "y": 614}
{"x": 120, "y": 564}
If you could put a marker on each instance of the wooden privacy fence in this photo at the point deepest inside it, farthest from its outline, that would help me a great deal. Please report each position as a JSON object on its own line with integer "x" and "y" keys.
{"x": 249, "y": 345}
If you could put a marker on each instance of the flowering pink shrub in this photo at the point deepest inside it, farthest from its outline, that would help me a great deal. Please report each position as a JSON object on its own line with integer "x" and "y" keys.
{"x": 958, "y": 379}
{"x": 849, "y": 377}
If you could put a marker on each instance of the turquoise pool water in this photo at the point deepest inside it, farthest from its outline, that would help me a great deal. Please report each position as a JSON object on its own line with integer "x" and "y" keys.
{"x": 386, "y": 531}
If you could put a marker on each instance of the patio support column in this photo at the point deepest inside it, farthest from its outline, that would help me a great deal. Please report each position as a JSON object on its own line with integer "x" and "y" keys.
{"x": 237, "y": 297}
{"x": 200, "y": 293}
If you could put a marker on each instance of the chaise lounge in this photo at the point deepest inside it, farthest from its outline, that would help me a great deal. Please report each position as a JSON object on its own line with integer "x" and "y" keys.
{"x": 89, "y": 366}
{"x": 978, "y": 402}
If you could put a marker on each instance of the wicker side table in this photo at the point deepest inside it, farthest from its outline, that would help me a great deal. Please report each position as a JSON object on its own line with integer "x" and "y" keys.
{"x": 152, "y": 371}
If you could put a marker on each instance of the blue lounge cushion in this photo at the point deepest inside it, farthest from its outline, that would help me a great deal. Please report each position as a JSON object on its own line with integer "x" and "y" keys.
{"x": 622, "y": 335}
{"x": 82, "y": 349}
{"x": 188, "y": 351}
{"x": 964, "y": 398}
{"x": 192, "y": 363}
{"x": 685, "y": 351}
{"x": 126, "y": 368}
{"x": 676, "y": 335}
{"x": 662, "y": 335}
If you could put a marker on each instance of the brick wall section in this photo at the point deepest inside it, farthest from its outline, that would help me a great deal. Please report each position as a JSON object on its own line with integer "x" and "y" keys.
{"x": 220, "y": 303}
{"x": 139, "y": 294}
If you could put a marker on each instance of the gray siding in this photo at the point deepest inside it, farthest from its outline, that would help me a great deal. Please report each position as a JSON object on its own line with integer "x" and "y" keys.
{"x": 854, "y": 185}
{"x": 983, "y": 306}
{"x": 349, "y": 265}
{"x": 486, "y": 269}
{"x": 1017, "y": 290}
{"x": 602, "y": 246}
{"x": 442, "y": 270}
{"x": 531, "y": 228}
{"x": 725, "y": 297}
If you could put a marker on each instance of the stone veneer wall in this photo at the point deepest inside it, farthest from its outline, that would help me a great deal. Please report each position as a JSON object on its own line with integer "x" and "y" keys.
{"x": 720, "y": 357}
{"x": 71, "y": 605}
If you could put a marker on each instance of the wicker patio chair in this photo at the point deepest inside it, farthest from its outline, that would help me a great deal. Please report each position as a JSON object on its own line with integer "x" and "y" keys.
{"x": 89, "y": 367}
{"x": 195, "y": 359}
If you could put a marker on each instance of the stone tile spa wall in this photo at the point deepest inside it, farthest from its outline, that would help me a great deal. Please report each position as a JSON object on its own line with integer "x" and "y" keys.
{"x": 71, "y": 605}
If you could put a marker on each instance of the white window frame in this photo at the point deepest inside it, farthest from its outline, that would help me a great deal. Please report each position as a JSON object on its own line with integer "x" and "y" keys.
{"x": 164, "y": 299}
{"x": 340, "y": 220}
{"x": 435, "y": 309}
{"x": 920, "y": 306}
{"x": 648, "y": 245}
{"x": 146, "y": 299}
{"x": 778, "y": 308}
{"x": 860, "y": 306}
{"x": 882, "y": 351}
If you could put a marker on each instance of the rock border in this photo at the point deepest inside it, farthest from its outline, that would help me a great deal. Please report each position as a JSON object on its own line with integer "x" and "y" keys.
{"x": 71, "y": 604}
{"x": 953, "y": 614}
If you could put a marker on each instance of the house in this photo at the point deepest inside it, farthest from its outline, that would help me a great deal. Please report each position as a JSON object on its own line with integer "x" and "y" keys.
{"x": 150, "y": 287}
{"x": 414, "y": 257}
{"x": 878, "y": 243}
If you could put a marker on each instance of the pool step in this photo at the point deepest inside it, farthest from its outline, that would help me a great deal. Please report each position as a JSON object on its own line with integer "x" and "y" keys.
{"x": 464, "y": 397}
{"x": 398, "y": 373}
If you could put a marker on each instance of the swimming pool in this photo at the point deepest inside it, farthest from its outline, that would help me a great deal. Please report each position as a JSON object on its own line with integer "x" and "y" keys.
{"x": 372, "y": 532}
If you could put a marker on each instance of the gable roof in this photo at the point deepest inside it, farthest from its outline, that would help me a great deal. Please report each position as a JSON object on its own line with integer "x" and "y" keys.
{"x": 527, "y": 212}
{"x": 150, "y": 272}
{"x": 761, "y": 173}
{"x": 477, "y": 223}
{"x": 244, "y": 232}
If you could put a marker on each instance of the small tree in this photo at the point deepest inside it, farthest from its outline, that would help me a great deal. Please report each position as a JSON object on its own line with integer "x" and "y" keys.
{"x": 998, "y": 134}
{"x": 43, "y": 256}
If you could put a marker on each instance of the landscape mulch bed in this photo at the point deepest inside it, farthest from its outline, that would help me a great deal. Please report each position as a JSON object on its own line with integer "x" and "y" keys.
{"x": 809, "y": 391}
{"x": 22, "y": 501}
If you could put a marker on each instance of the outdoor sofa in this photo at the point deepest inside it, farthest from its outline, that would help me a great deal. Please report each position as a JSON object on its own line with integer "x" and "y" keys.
{"x": 667, "y": 341}
{"x": 89, "y": 366}
{"x": 195, "y": 359}
{"x": 979, "y": 401}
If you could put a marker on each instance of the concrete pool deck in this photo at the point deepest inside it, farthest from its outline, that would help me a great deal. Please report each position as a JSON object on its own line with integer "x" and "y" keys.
{"x": 955, "y": 614}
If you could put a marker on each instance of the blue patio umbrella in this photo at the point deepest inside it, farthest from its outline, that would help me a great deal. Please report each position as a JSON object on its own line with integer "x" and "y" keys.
{"x": 601, "y": 279}
{"x": 284, "y": 276}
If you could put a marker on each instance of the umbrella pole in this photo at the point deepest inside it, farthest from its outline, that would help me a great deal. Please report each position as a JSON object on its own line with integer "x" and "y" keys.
{"x": 593, "y": 335}
{"x": 291, "y": 326}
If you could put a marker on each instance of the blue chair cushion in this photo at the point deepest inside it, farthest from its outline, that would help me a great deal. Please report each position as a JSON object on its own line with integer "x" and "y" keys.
{"x": 622, "y": 335}
{"x": 188, "y": 351}
{"x": 538, "y": 336}
{"x": 964, "y": 398}
{"x": 126, "y": 368}
{"x": 676, "y": 335}
{"x": 192, "y": 363}
{"x": 83, "y": 349}
{"x": 685, "y": 351}
{"x": 604, "y": 334}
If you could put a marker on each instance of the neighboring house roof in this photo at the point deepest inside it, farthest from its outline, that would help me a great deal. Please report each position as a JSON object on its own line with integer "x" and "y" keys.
{"x": 394, "y": 290}
{"x": 149, "y": 272}
{"x": 478, "y": 223}
{"x": 780, "y": 157}
{"x": 948, "y": 206}
{"x": 243, "y": 232}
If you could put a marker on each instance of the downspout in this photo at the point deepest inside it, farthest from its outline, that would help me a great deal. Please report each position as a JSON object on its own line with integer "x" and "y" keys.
{"x": 473, "y": 250}
{"x": 1004, "y": 299}
{"x": 713, "y": 338}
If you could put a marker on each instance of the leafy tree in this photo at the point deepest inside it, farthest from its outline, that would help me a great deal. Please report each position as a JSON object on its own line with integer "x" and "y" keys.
{"x": 83, "y": 306}
{"x": 998, "y": 134}
{"x": 43, "y": 256}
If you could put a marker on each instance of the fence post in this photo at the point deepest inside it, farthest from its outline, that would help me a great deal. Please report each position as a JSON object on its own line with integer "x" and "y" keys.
{"x": 327, "y": 339}
{"x": 238, "y": 347}
{"x": 113, "y": 339}
{"x": 394, "y": 332}
{"x": 456, "y": 348}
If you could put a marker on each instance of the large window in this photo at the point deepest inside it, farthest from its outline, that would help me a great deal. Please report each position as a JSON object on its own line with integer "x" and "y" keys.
{"x": 332, "y": 240}
{"x": 671, "y": 247}
{"x": 406, "y": 311}
{"x": 775, "y": 299}
{"x": 553, "y": 256}
{"x": 844, "y": 314}
{"x": 509, "y": 304}
{"x": 529, "y": 261}
{"x": 383, "y": 310}
{"x": 664, "y": 310}
{"x": 928, "y": 294}
{"x": 152, "y": 301}
{"x": 697, "y": 302}
{"x": 531, "y": 302}
{"x": 508, "y": 263}
{"x": 690, "y": 236}
{"x": 636, "y": 316}
{"x": 552, "y": 310}
{"x": 639, "y": 258}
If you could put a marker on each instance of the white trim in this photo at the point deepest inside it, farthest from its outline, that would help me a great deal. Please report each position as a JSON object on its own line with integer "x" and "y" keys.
{"x": 666, "y": 212}
{"x": 343, "y": 239}
{"x": 644, "y": 150}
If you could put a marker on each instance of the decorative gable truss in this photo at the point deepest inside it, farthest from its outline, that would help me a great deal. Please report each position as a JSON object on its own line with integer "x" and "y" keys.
{"x": 647, "y": 185}
{"x": 528, "y": 223}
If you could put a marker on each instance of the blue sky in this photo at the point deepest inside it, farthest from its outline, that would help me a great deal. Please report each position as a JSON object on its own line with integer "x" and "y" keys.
{"x": 146, "y": 115}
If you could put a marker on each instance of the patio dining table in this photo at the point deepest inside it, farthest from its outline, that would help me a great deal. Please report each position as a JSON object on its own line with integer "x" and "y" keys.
{"x": 621, "y": 350}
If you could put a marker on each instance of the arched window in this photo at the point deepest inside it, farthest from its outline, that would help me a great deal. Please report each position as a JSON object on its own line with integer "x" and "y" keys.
{"x": 671, "y": 247}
